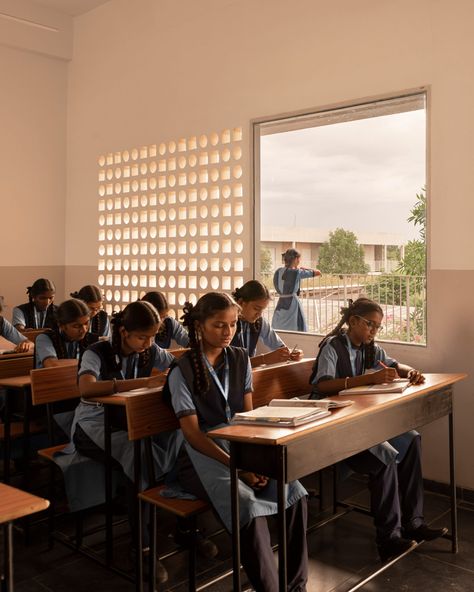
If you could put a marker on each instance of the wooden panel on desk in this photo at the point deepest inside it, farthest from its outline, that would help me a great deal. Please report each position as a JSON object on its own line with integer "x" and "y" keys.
{"x": 147, "y": 415}
{"x": 32, "y": 334}
{"x": 57, "y": 383}
{"x": 177, "y": 353}
{"x": 281, "y": 381}
{"x": 17, "y": 366}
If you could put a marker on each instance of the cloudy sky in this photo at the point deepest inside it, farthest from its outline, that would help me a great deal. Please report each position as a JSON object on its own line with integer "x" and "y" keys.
{"x": 360, "y": 175}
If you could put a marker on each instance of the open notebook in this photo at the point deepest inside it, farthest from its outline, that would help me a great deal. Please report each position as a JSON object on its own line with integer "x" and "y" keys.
{"x": 280, "y": 416}
{"x": 397, "y": 386}
{"x": 320, "y": 403}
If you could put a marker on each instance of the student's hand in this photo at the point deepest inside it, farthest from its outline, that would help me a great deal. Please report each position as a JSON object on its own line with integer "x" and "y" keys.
{"x": 278, "y": 355}
{"x": 23, "y": 347}
{"x": 296, "y": 355}
{"x": 415, "y": 377}
{"x": 384, "y": 375}
{"x": 253, "y": 480}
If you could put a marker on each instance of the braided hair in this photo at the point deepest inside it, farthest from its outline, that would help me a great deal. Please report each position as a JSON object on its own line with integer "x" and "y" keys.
{"x": 360, "y": 307}
{"x": 250, "y": 291}
{"x": 136, "y": 316}
{"x": 39, "y": 287}
{"x": 68, "y": 312}
{"x": 206, "y": 307}
{"x": 158, "y": 299}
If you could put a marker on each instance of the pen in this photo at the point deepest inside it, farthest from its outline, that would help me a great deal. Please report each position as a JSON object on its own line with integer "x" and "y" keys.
{"x": 291, "y": 353}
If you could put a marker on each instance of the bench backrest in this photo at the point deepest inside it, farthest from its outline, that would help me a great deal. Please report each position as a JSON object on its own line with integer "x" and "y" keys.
{"x": 54, "y": 384}
{"x": 20, "y": 366}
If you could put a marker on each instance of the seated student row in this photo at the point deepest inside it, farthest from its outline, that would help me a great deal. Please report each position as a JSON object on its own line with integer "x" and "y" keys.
{"x": 211, "y": 333}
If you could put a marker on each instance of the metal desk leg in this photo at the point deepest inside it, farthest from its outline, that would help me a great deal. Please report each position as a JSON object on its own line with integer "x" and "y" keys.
{"x": 7, "y": 576}
{"x": 108, "y": 488}
{"x": 282, "y": 539}
{"x": 234, "y": 493}
{"x": 138, "y": 514}
{"x": 6, "y": 439}
{"x": 452, "y": 486}
{"x": 26, "y": 434}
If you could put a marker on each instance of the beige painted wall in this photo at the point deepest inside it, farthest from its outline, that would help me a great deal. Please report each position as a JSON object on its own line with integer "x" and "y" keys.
{"x": 33, "y": 163}
{"x": 149, "y": 71}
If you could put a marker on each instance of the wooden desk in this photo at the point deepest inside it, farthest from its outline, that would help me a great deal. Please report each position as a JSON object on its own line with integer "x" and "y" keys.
{"x": 286, "y": 454}
{"x": 20, "y": 385}
{"x": 9, "y": 355}
{"x": 14, "y": 504}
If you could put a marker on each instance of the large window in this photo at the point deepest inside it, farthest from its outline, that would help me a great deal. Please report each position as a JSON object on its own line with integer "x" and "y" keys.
{"x": 346, "y": 188}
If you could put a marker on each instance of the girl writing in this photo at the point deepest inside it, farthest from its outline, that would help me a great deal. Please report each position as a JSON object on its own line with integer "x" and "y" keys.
{"x": 70, "y": 337}
{"x": 288, "y": 313}
{"x": 207, "y": 385}
{"x": 253, "y": 298}
{"x": 169, "y": 329}
{"x": 92, "y": 296}
{"x": 39, "y": 311}
{"x": 349, "y": 357}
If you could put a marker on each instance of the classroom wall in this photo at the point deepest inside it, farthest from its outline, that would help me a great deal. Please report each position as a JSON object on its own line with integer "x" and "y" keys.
{"x": 148, "y": 71}
{"x": 33, "y": 164}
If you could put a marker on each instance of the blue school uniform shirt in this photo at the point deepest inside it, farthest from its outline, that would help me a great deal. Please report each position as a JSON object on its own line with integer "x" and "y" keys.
{"x": 267, "y": 335}
{"x": 11, "y": 334}
{"x": 44, "y": 349}
{"x": 327, "y": 360}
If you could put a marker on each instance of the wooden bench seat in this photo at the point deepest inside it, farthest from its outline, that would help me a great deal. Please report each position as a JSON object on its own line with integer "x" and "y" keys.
{"x": 183, "y": 508}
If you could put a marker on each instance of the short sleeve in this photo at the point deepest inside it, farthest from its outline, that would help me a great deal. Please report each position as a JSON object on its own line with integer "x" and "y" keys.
{"x": 107, "y": 332}
{"x": 11, "y": 334}
{"x": 18, "y": 318}
{"x": 381, "y": 356}
{"x": 181, "y": 398}
{"x": 90, "y": 364}
{"x": 305, "y": 273}
{"x": 163, "y": 359}
{"x": 180, "y": 335}
{"x": 269, "y": 337}
{"x": 44, "y": 349}
{"x": 327, "y": 362}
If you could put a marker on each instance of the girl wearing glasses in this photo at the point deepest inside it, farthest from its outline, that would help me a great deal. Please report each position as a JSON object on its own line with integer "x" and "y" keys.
{"x": 349, "y": 357}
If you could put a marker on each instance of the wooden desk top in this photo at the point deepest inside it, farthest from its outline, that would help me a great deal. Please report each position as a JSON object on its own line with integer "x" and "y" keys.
{"x": 120, "y": 399}
{"x": 15, "y": 503}
{"x": 16, "y": 381}
{"x": 363, "y": 405}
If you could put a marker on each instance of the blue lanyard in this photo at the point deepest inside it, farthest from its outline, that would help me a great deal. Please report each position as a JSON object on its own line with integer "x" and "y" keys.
{"x": 135, "y": 367}
{"x": 223, "y": 389}
{"x": 40, "y": 317}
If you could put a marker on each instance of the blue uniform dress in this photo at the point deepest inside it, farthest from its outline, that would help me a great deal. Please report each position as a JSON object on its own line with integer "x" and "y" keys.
{"x": 101, "y": 362}
{"x": 210, "y": 479}
{"x": 8, "y": 331}
{"x": 215, "y": 412}
{"x": 394, "y": 465}
{"x": 248, "y": 334}
{"x": 288, "y": 314}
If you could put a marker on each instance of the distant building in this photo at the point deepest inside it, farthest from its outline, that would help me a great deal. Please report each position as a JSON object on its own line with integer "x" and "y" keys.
{"x": 309, "y": 240}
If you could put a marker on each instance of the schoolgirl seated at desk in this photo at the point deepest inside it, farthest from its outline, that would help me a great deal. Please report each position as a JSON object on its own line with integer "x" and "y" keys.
{"x": 253, "y": 298}
{"x": 170, "y": 329}
{"x": 206, "y": 386}
{"x": 350, "y": 357}
{"x": 8, "y": 332}
{"x": 92, "y": 296}
{"x": 39, "y": 312}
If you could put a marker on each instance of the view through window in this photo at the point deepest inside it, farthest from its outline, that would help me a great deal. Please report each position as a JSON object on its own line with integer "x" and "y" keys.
{"x": 346, "y": 189}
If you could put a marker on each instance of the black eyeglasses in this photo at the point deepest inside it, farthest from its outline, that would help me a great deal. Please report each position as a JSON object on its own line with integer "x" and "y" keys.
{"x": 372, "y": 325}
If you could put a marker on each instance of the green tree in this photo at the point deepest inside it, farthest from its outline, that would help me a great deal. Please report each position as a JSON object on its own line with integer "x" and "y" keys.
{"x": 342, "y": 254}
{"x": 266, "y": 262}
{"x": 414, "y": 261}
